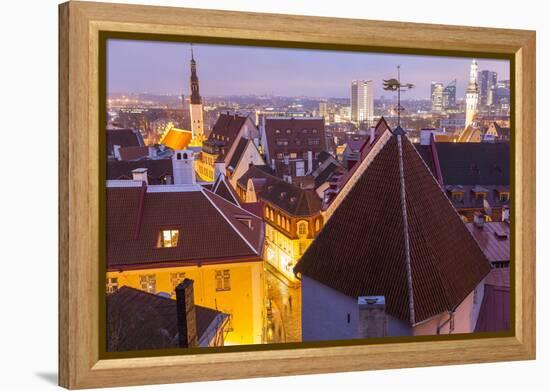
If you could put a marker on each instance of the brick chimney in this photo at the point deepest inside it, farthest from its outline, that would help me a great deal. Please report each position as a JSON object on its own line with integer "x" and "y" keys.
{"x": 372, "y": 316}
{"x": 187, "y": 319}
{"x": 140, "y": 175}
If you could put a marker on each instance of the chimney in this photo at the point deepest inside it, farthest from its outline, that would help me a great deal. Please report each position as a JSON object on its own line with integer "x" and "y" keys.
{"x": 140, "y": 175}
{"x": 479, "y": 220}
{"x": 116, "y": 151}
{"x": 183, "y": 167}
{"x": 187, "y": 319}
{"x": 372, "y": 316}
{"x": 310, "y": 161}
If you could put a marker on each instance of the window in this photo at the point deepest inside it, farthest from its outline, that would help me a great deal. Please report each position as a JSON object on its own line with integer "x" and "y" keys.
{"x": 148, "y": 283}
{"x": 168, "y": 238}
{"x": 112, "y": 284}
{"x": 223, "y": 280}
{"x": 279, "y": 155}
{"x": 349, "y": 318}
{"x": 278, "y": 219}
{"x": 175, "y": 280}
{"x": 282, "y": 142}
{"x": 288, "y": 131}
{"x": 458, "y": 196}
{"x": 504, "y": 197}
{"x": 277, "y": 131}
{"x": 293, "y": 155}
{"x": 317, "y": 225}
{"x": 480, "y": 196}
{"x": 314, "y": 131}
{"x": 271, "y": 215}
{"x": 266, "y": 212}
{"x": 298, "y": 142}
{"x": 302, "y": 228}
{"x": 245, "y": 220}
{"x": 304, "y": 131}
{"x": 313, "y": 141}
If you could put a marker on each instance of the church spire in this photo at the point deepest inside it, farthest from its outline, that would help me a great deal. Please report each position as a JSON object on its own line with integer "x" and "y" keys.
{"x": 195, "y": 95}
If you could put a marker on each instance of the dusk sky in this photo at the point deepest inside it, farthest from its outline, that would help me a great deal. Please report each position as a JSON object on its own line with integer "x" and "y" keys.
{"x": 163, "y": 68}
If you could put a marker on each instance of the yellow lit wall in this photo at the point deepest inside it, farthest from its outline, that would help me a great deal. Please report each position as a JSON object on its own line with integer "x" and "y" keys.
{"x": 204, "y": 167}
{"x": 243, "y": 301}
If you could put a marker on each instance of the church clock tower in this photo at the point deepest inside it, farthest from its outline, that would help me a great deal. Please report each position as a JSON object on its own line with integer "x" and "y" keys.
{"x": 472, "y": 94}
{"x": 195, "y": 106}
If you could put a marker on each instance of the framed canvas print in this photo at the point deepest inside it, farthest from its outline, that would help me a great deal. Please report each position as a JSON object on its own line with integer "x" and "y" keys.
{"x": 273, "y": 194}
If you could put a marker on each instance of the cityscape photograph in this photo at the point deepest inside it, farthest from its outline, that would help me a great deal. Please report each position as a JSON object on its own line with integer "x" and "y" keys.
{"x": 259, "y": 195}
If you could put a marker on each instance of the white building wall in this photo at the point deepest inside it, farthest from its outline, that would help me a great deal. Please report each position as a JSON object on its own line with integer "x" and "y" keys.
{"x": 325, "y": 314}
{"x": 250, "y": 155}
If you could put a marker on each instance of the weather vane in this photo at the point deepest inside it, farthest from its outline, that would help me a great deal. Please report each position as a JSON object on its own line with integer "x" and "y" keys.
{"x": 396, "y": 85}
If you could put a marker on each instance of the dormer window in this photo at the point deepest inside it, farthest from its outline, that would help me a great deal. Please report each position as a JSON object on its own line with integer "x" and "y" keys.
{"x": 504, "y": 196}
{"x": 457, "y": 196}
{"x": 168, "y": 238}
{"x": 245, "y": 220}
{"x": 480, "y": 196}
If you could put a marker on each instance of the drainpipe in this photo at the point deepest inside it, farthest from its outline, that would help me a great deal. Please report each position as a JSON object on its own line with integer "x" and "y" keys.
{"x": 450, "y": 320}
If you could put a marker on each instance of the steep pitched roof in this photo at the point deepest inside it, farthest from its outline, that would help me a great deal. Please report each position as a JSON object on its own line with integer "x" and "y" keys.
{"x": 209, "y": 229}
{"x": 493, "y": 238}
{"x": 299, "y": 134}
{"x": 138, "y": 320}
{"x": 224, "y": 190}
{"x": 394, "y": 233}
{"x": 239, "y": 150}
{"x": 133, "y": 153}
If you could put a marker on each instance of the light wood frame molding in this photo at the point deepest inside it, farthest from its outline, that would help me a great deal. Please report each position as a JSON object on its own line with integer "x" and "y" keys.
{"x": 80, "y": 24}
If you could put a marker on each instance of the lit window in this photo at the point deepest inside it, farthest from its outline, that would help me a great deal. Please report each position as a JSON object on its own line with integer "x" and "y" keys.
{"x": 302, "y": 228}
{"x": 266, "y": 212}
{"x": 317, "y": 224}
{"x": 277, "y": 131}
{"x": 148, "y": 283}
{"x": 223, "y": 280}
{"x": 175, "y": 280}
{"x": 112, "y": 285}
{"x": 278, "y": 219}
{"x": 458, "y": 196}
{"x": 288, "y": 131}
{"x": 271, "y": 214}
{"x": 314, "y": 131}
{"x": 168, "y": 238}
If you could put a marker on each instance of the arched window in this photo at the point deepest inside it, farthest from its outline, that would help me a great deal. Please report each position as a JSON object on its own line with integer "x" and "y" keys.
{"x": 178, "y": 156}
{"x": 317, "y": 224}
{"x": 302, "y": 228}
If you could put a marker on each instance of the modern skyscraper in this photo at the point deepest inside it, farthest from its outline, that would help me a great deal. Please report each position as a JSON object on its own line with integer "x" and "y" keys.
{"x": 362, "y": 102}
{"x": 437, "y": 96}
{"x": 449, "y": 96}
{"x": 485, "y": 80}
{"x": 472, "y": 95}
{"x": 195, "y": 106}
{"x": 323, "y": 111}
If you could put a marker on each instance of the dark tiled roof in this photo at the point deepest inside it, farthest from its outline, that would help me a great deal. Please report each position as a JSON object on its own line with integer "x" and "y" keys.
{"x": 225, "y": 132}
{"x": 224, "y": 190}
{"x": 291, "y": 198}
{"x": 494, "y": 240}
{"x": 124, "y": 138}
{"x": 263, "y": 171}
{"x": 469, "y": 199}
{"x": 239, "y": 150}
{"x": 323, "y": 155}
{"x": 494, "y": 313}
{"x": 474, "y": 163}
{"x": 362, "y": 248}
{"x": 157, "y": 169}
{"x": 138, "y": 320}
{"x": 301, "y": 130}
{"x": 325, "y": 174}
{"x": 208, "y": 228}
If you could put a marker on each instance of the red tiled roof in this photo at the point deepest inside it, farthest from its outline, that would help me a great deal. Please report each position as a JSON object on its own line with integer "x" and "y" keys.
{"x": 494, "y": 240}
{"x": 157, "y": 169}
{"x": 207, "y": 224}
{"x": 499, "y": 277}
{"x": 138, "y": 320}
{"x": 226, "y": 129}
{"x": 417, "y": 252}
{"x": 133, "y": 153}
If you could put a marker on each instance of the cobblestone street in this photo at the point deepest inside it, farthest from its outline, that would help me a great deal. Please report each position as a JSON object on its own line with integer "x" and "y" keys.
{"x": 284, "y": 309}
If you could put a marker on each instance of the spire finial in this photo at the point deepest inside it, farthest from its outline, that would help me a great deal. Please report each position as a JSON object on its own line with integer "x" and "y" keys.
{"x": 192, "y": 57}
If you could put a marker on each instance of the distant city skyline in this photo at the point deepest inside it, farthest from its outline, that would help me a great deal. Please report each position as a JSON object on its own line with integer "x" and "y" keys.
{"x": 223, "y": 70}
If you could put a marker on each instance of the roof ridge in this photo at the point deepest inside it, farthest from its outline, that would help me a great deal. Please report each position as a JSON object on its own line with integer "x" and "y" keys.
{"x": 227, "y": 219}
{"x": 405, "y": 229}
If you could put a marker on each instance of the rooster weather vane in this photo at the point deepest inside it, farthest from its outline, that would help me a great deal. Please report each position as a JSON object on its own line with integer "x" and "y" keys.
{"x": 396, "y": 85}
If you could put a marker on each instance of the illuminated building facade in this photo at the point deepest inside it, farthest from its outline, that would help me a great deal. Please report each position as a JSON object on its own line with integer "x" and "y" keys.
{"x": 157, "y": 236}
{"x": 362, "y": 102}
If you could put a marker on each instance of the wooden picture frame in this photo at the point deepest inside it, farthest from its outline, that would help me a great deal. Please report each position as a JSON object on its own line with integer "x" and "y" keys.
{"x": 80, "y": 25}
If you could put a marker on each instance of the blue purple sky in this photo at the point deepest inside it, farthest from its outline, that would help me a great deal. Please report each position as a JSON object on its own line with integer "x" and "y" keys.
{"x": 163, "y": 68}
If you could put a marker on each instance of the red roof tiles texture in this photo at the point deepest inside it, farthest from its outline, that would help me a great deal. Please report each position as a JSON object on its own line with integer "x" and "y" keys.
{"x": 362, "y": 249}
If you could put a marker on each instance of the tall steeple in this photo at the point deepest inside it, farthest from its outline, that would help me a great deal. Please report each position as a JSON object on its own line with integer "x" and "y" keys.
{"x": 195, "y": 106}
{"x": 195, "y": 95}
{"x": 472, "y": 95}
